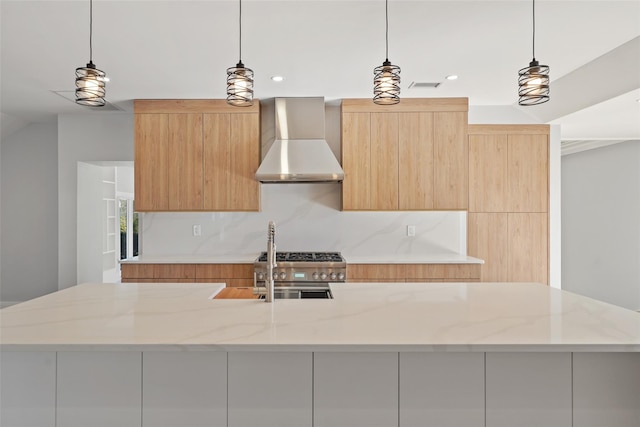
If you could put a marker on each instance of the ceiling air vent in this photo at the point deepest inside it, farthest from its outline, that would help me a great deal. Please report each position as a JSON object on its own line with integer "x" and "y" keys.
{"x": 70, "y": 95}
{"x": 424, "y": 85}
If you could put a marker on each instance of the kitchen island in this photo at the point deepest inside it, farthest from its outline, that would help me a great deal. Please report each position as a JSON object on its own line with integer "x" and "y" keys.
{"x": 379, "y": 354}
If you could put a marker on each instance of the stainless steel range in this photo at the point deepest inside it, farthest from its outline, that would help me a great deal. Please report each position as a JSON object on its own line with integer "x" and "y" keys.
{"x": 301, "y": 274}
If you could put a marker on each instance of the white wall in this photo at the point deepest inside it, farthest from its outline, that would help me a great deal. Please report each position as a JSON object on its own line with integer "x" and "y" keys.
{"x": 84, "y": 138}
{"x": 89, "y": 225}
{"x": 29, "y": 219}
{"x": 601, "y": 223}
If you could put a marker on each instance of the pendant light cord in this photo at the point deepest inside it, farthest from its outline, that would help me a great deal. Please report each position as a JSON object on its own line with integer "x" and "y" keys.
{"x": 240, "y": 26}
{"x": 90, "y": 31}
{"x": 386, "y": 18}
{"x": 533, "y": 49}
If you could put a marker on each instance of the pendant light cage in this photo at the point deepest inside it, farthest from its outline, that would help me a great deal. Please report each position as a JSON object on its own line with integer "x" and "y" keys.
{"x": 240, "y": 86}
{"x": 90, "y": 86}
{"x": 533, "y": 84}
{"x": 240, "y": 78}
{"x": 90, "y": 81}
{"x": 386, "y": 84}
{"x": 533, "y": 81}
{"x": 386, "y": 78}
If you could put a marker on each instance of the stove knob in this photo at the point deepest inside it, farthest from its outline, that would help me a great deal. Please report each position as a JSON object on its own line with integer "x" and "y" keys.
{"x": 283, "y": 275}
{"x": 275, "y": 275}
{"x": 340, "y": 276}
{"x": 260, "y": 276}
{"x": 315, "y": 276}
{"x": 323, "y": 275}
{"x": 333, "y": 276}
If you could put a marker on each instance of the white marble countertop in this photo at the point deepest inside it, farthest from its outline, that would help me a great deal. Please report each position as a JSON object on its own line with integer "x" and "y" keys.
{"x": 194, "y": 259}
{"x": 351, "y": 259}
{"x": 363, "y": 316}
{"x": 411, "y": 259}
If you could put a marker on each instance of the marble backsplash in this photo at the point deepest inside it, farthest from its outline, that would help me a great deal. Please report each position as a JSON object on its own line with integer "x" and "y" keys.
{"x": 308, "y": 218}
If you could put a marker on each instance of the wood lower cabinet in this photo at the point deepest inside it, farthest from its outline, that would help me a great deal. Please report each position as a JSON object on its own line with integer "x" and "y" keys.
{"x": 196, "y": 155}
{"x": 413, "y": 272}
{"x": 513, "y": 245}
{"x": 234, "y": 275}
{"x": 410, "y": 156}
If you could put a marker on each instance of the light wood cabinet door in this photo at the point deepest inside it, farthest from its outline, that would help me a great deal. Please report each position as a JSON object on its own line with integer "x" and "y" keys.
{"x": 231, "y": 158}
{"x": 451, "y": 161}
{"x": 384, "y": 161}
{"x": 488, "y": 173}
{"x": 245, "y": 159}
{"x": 415, "y": 152}
{"x": 528, "y": 173}
{"x": 488, "y": 240}
{"x": 151, "y": 157}
{"x": 185, "y": 162}
{"x": 195, "y": 155}
{"x": 217, "y": 161}
{"x": 527, "y": 234}
{"x": 356, "y": 161}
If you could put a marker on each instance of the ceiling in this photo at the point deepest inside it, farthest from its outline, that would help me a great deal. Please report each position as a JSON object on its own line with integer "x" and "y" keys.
{"x": 181, "y": 49}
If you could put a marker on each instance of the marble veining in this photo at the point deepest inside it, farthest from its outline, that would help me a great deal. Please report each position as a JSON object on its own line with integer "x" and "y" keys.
{"x": 371, "y": 316}
{"x": 308, "y": 218}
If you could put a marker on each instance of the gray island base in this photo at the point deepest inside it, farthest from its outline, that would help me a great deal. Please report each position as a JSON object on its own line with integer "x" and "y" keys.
{"x": 392, "y": 354}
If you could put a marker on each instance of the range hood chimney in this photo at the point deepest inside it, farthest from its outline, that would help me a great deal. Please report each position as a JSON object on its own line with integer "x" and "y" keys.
{"x": 293, "y": 137}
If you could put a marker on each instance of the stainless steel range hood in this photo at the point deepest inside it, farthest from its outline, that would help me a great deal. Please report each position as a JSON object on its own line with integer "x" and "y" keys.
{"x": 293, "y": 137}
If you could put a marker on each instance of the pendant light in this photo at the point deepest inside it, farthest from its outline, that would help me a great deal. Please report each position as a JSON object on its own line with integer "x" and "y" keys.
{"x": 386, "y": 80}
{"x": 533, "y": 81}
{"x": 90, "y": 81}
{"x": 240, "y": 79}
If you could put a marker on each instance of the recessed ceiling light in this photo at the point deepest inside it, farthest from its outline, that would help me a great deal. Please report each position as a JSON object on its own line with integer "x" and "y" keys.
{"x": 277, "y": 78}
{"x": 452, "y": 77}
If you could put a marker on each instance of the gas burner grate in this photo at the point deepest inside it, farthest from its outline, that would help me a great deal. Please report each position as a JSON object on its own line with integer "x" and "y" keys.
{"x": 304, "y": 257}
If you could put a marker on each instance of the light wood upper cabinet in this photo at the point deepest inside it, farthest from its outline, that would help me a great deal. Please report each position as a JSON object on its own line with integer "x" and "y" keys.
{"x": 488, "y": 173}
{"x": 451, "y": 154}
{"x": 217, "y": 161}
{"x": 415, "y": 144}
{"x": 231, "y": 158}
{"x": 508, "y": 168}
{"x": 409, "y": 156}
{"x": 356, "y": 161}
{"x": 185, "y": 162}
{"x": 384, "y": 161}
{"x": 245, "y": 159}
{"x": 528, "y": 173}
{"x": 195, "y": 155}
{"x": 151, "y": 152}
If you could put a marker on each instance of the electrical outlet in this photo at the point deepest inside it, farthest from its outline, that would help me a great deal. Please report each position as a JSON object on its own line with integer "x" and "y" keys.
{"x": 411, "y": 230}
{"x": 197, "y": 230}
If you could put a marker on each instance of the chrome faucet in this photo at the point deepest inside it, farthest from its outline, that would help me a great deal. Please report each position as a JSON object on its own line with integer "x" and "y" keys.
{"x": 271, "y": 260}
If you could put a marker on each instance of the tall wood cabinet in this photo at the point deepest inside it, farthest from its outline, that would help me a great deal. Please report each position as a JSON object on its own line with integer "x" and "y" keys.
{"x": 409, "y": 156}
{"x": 508, "y": 220}
{"x": 196, "y": 155}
